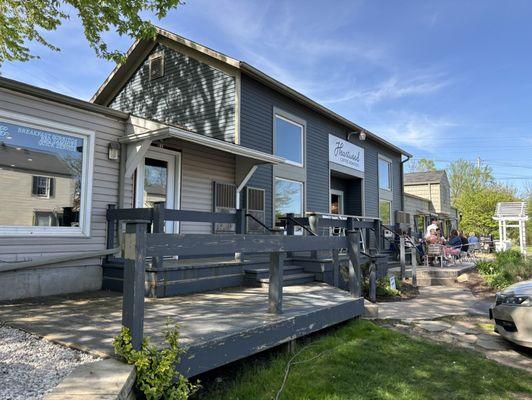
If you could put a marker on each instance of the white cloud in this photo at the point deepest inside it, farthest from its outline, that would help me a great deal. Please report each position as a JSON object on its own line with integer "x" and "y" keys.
{"x": 419, "y": 131}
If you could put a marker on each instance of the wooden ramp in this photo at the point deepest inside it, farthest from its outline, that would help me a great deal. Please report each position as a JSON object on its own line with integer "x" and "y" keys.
{"x": 216, "y": 327}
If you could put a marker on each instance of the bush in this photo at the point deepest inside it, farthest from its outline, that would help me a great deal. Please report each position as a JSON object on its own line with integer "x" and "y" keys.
{"x": 157, "y": 377}
{"x": 509, "y": 267}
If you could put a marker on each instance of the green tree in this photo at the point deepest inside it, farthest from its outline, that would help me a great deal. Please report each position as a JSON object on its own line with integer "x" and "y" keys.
{"x": 422, "y": 165}
{"x": 467, "y": 177}
{"x": 24, "y": 21}
{"x": 478, "y": 206}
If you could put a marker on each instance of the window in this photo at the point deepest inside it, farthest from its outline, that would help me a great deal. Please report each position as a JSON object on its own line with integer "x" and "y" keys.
{"x": 288, "y": 140}
{"x": 288, "y": 197}
{"x": 43, "y": 186}
{"x": 44, "y": 177}
{"x": 385, "y": 212}
{"x": 255, "y": 206}
{"x": 224, "y": 202}
{"x": 385, "y": 174}
{"x": 156, "y": 66}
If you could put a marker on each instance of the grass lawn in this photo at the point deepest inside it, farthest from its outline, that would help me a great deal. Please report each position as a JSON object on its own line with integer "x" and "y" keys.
{"x": 365, "y": 361}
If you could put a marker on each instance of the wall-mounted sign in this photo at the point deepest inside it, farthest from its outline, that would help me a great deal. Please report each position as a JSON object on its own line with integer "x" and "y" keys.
{"x": 344, "y": 153}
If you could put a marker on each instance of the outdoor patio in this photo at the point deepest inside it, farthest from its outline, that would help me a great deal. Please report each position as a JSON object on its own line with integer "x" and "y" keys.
{"x": 235, "y": 321}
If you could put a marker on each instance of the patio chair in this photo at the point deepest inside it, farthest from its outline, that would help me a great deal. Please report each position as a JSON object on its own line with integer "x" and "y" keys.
{"x": 435, "y": 251}
{"x": 473, "y": 250}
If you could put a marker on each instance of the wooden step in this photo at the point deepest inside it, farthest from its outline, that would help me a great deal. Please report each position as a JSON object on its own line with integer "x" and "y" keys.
{"x": 291, "y": 279}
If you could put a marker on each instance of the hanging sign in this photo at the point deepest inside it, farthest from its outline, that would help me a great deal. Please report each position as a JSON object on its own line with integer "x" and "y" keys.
{"x": 345, "y": 153}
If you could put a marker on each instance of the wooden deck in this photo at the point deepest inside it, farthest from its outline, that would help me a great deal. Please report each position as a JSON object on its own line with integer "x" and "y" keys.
{"x": 217, "y": 327}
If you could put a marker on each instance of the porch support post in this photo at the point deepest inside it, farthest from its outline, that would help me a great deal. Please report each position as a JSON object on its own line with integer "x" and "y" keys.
{"x": 313, "y": 221}
{"x": 336, "y": 268}
{"x": 275, "y": 288}
{"x": 111, "y": 231}
{"x": 290, "y": 229}
{"x": 402, "y": 256}
{"x": 377, "y": 228}
{"x": 133, "y": 292}
{"x": 353, "y": 252}
{"x": 244, "y": 183}
{"x": 240, "y": 229}
{"x": 158, "y": 227}
{"x": 414, "y": 266}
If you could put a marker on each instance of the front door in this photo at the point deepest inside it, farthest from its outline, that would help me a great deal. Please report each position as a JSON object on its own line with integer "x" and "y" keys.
{"x": 158, "y": 180}
{"x": 337, "y": 202}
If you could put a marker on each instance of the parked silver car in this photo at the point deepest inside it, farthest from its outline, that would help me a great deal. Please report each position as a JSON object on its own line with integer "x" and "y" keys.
{"x": 512, "y": 313}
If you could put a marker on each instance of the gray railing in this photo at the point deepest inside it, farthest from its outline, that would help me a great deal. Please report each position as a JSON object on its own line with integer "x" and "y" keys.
{"x": 139, "y": 244}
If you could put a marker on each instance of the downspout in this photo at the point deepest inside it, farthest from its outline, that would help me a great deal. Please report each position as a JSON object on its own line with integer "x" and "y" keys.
{"x": 403, "y": 183}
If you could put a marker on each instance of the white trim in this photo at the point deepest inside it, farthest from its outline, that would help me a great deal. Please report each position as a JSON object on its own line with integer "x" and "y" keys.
{"x": 135, "y": 154}
{"x": 277, "y": 113}
{"x": 173, "y": 195}
{"x": 171, "y": 131}
{"x": 87, "y": 176}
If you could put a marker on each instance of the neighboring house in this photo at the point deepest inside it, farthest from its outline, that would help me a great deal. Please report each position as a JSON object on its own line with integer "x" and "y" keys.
{"x": 427, "y": 195}
{"x": 181, "y": 123}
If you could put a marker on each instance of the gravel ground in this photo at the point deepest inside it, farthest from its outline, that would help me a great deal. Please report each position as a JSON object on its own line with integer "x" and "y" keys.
{"x": 31, "y": 366}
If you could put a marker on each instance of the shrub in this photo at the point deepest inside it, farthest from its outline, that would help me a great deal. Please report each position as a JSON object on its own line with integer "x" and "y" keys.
{"x": 509, "y": 256}
{"x": 509, "y": 267}
{"x": 157, "y": 377}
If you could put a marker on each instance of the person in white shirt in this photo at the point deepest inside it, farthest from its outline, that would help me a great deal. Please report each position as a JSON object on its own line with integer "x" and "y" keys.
{"x": 433, "y": 225}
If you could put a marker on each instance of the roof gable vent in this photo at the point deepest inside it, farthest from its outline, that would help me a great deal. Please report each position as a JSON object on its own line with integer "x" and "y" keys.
{"x": 156, "y": 65}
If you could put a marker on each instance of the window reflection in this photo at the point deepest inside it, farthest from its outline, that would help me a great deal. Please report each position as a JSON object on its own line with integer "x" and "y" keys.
{"x": 40, "y": 177}
{"x": 289, "y": 140}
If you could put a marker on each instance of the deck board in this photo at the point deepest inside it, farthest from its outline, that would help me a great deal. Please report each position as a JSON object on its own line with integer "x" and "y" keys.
{"x": 217, "y": 327}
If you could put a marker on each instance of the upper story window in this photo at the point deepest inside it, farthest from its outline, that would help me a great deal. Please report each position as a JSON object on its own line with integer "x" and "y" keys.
{"x": 385, "y": 174}
{"x": 288, "y": 140}
{"x": 44, "y": 178}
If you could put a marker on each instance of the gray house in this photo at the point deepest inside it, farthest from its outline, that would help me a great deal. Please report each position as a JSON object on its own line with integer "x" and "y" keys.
{"x": 186, "y": 125}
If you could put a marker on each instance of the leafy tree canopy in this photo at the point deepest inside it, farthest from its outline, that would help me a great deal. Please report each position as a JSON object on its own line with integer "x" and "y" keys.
{"x": 467, "y": 177}
{"x": 25, "y": 21}
{"x": 422, "y": 165}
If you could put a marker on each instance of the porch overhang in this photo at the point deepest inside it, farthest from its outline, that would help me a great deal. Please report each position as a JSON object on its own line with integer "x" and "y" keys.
{"x": 257, "y": 156}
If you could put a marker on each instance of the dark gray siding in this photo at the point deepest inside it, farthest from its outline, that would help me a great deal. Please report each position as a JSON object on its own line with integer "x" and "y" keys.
{"x": 257, "y": 103}
{"x": 192, "y": 94}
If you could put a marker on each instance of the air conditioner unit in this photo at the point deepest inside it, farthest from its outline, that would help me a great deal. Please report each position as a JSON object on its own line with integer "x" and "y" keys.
{"x": 402, "y": 217}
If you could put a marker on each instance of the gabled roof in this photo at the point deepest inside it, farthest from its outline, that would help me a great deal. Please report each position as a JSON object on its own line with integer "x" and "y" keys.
{"x": 418, "y": 178}
{"x": 141, "y": 48}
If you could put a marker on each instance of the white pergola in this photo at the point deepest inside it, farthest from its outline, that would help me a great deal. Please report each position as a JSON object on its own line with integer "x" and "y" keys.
{"x": 514, "y": 213}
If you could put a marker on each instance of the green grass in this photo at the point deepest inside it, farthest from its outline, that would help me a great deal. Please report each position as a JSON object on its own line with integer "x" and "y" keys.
{"x": 365, "y": 361}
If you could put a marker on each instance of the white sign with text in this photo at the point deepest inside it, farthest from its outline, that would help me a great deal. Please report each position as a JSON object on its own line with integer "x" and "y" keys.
{"x": 347, "y": 154}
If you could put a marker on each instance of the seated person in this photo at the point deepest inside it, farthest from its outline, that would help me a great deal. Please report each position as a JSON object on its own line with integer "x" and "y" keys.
{"x": 454, "y": 245}
{"x": 472, "y": 238}
{"x": 433, "y": 225}
{"x": 433, "y": 237}
{"x": 465, "y": 242}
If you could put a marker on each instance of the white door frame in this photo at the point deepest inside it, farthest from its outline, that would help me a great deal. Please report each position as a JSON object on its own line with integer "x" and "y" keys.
{"x": 173, "y": 195}
{"x": 340, "y": 194}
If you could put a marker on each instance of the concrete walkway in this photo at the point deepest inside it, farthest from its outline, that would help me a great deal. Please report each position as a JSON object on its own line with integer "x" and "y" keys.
{"x": 432, "y": 302}
{"x": 453, "y": 315}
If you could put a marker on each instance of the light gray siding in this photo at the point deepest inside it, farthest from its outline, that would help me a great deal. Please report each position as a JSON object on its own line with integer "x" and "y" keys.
{"x": 192, "y": 94}
{"x": 104, "y": 188}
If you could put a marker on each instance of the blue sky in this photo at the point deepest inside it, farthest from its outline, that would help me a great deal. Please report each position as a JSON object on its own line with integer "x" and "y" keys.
{"x": 442, "y": 79}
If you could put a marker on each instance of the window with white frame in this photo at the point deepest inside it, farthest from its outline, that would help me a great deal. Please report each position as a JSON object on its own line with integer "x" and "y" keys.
{"x": 385, "y": 174}
{"x": 288, "y": 140}
{"x": 44, "y": 177}
{"x": 385, "y": 212}
{"x": 288, "y": 197}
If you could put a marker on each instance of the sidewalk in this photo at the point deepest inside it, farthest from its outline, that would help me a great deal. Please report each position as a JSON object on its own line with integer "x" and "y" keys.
{"x": 453, "y": 315}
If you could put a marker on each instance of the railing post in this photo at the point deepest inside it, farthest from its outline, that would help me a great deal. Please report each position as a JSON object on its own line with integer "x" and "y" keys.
{"x": 336, "y": 268}
{"x": 240, "y": 229}
{"x": 290, "y": 229}
{"x": 111, "y": 230}
{"x": 372, "y": 279}
{"x": 402, "y": 256}
{"x": 313, "y": 221}
{"x": 134, "y": 254}
{"x": 377, "y": 228}
{"x": 275, "y": 288}
{"x": 158, "y": 227}
{"x": 414, "y": 266}
{"x": 353, "y": 252}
